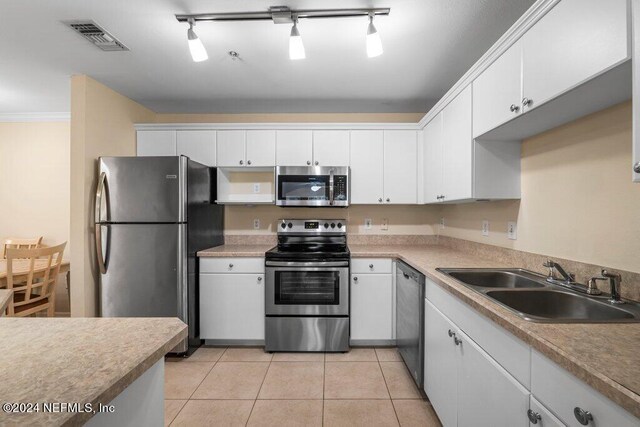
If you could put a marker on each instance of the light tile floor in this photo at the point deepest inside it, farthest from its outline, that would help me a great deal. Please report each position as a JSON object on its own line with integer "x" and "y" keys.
{"x": 248, "y": 387}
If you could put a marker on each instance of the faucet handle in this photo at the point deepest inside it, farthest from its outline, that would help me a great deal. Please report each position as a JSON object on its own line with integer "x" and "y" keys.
{"x": 548, "y": 263}
{"x": 592, "y": 286}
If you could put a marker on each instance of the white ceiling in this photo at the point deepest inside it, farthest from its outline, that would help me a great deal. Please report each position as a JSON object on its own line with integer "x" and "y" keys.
{"x": 428, "y": 45}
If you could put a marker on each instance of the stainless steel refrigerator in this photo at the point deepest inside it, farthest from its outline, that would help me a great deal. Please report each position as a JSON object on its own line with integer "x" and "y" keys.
{"x": 152, "y": 215}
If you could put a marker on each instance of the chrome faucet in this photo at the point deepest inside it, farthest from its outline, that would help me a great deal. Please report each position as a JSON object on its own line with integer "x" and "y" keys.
{"x": 567, "y": 278}
{"x": 614, "y": 283}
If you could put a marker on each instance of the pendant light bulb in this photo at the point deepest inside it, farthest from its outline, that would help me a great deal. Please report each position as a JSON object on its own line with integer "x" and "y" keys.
{"x": 374, "y": 43}
{"x": 198, "y": 52}
{"x": 296, "y": 47}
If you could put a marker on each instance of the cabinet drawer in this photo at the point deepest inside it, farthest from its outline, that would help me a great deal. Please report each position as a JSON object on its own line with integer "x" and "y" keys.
{"x": 545, "y": 417}
{"x": 562, "y": 392}
{"x": 370, "y": 265}
{"x": 231, "y": 265}
{"x": 511, "y": 353}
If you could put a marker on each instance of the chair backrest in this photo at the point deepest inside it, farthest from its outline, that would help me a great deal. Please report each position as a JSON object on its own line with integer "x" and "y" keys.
{"x": 40, "y": 268}
{"x": 20, "y": 244}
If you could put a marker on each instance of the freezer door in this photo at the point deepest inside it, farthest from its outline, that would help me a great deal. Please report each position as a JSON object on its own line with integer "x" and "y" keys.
{"x": 145, "y": 271}
{"x": 142, "y": 189}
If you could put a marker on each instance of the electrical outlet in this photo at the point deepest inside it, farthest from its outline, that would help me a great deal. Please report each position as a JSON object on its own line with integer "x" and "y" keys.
{"x": 442, "y": 223}
{"x": 385, "y": 224}
{"x": 256, "y": 224}
{"x": 485, "y": 228}
{"x": 512, "y": 230}
{"x": 256, "y": 187}
{"x": 367, "y": 223}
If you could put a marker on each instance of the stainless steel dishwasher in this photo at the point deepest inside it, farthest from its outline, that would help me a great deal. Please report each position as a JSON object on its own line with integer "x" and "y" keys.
{"x": 410, "y": 319}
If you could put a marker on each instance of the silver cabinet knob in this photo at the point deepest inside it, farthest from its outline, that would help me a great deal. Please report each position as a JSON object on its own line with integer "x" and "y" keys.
{"x": 230, "y": 265}
{"x": 514, "y": 108}
{"x": 371, "y": 266}
{"x": 241, "y": 162}
{"x": 636, "y": 167}
{"x": 451, "y": 333}
{"x": 380, "y": 200}
{"x": 308, "y": 162}
{"x": 259, "y": 278}
{"x": 248, "y": 162}
{"x": 583, "y": 417}
{"x": 388, "y": 200}
{"x": 456, "y": 340}
{"x": 526, "y": 102}
{"x": 533, "y": 416}
{"x": 355, "y": 279}
{"x": 317, "y": 163}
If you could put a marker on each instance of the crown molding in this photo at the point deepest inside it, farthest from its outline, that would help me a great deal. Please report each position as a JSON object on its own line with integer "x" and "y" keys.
{"x": 34, "y": 117}
{"x": 277, "y": 126}
{"x": 513, "y": 34}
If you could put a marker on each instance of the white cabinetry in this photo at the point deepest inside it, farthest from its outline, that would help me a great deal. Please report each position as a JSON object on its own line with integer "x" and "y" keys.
{"x": 331, "y": 148}
{"x": 156, "y": 143}
{"x": 253, "y": 148}
{"x": 230, "y": 148}
{"x": 433, "y": 161}
{"x": 232, "y": 299}
{"x": 372, "y": 301}
{"x": 635, "y": 8}
{"x": 198, "y": 145}
{"x": 261, "y": 148}
{"x": 294, "y": 148}
{"x": 458, "y": 148}
{"x": 400, "y": 166}
{"x": 367, "y": 163}
{"x": 541, "y": 415}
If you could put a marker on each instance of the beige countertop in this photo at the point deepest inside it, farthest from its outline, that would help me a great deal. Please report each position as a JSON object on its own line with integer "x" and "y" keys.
{"x": 77, "y": 360}
{"x": 5, "y": 297}
{"x": 606, "y": 356}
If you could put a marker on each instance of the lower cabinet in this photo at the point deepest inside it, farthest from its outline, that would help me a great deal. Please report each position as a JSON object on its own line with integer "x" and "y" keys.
{"x": 540, "y": 416}
{"x": 232, "y": 306}
{"x": 371, "y": 307}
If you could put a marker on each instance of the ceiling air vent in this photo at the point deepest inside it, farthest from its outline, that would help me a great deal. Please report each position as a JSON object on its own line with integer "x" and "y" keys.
{"x": 96, "y": 35}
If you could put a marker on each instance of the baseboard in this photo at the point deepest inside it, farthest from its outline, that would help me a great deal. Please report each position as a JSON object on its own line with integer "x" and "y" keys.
{"x": 237, "y": 343}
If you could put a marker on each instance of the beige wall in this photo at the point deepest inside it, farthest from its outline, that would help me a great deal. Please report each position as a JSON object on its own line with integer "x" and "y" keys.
{"x": 578, "y": 201}
{"x": 101, "y": 125}
{"x": 34, "y": 186}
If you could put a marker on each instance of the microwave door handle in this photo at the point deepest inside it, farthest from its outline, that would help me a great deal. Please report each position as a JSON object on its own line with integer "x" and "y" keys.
{"x": 331, "y": 187}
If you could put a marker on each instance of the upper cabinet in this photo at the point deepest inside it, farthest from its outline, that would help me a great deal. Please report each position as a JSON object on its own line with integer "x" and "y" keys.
{"x": 156, "y": 143}
{"x": 294, "y": 148}
{"x": 198, "y": 145}
{"x": 231, "y": 148}
{"x": 433, "y": 161}
{"x": 261, "y": 148}
{"x": 400, "y": 166}
{"x": 458, "y": 148}
{"x": 239, "y": 148}
{"x": 367, "y": 163}
{"x": 331, "y": 147}
{"x": 576, "y": 40}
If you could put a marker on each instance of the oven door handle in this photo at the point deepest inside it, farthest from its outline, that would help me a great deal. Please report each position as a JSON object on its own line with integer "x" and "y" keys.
{"x": 331, "y": 186}
{"x": 307, "y": 264}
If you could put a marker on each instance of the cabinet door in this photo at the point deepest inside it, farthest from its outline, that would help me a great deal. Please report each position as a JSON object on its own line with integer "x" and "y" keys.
{"x": 198, "y": 145}
{"x": 371, "y": 307}
{"x": 156, "y": 143}
{"x": 331, "y": 147}
{"x": 400, "y": 166}
{"x": 230, "y": 148}
{"x": 487, "y": 394}
{"x": 294, "y": 148}
{"x": 458, "y": 148}
{"x": 367, "y": 164}
{"x": 635, "y": 7}
{"x": 573, "y": 42}
{"x": 433, "y": 160}
{"x": 545, "y": 417}
{"x": 261, "y": 148}
{"x": 232, "y": 306}
{"x": 497, "y": 92}
{"x": 441, "y": 359}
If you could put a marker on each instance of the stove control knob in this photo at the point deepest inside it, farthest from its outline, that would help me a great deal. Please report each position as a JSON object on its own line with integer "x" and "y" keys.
{"x": 290, "y": 225}
{"x": 283, "y": 225}
{"x": 326, "y": 225}
{"x": 339, "y": 225}
{"x": 333, "y": 225}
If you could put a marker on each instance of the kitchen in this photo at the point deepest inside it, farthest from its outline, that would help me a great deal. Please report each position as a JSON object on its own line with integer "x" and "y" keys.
{"x": 465, "y": 256}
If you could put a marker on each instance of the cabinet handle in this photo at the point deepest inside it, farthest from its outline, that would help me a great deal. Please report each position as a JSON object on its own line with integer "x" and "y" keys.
{"x": 355, "y": 279}
{"x": 526, "y": 102}
{"x": 388, "y": 200}
{"x": 248, "y": 162}
{"x": 308, "y": 162}
{"x": 241, "y": 162}
{"x": 514, "y": 108}
{"x": 259, "y": 278}
{"x": 371, "y": 266}
{"x": 636, "y": 167}
{"x": 456, "y": 340}
{"x": 583, "y": 417}
{"x": 534, "y": 417}
{"x": 451, "y": 333}
{"x": 230, "y": 265}
{"x": 380, "y": 200}
{"x": 317, "y": 163}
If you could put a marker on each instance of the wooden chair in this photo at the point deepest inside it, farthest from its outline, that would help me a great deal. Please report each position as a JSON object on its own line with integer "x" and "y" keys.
{"x": 20, "y": 244}
{"x": 37, "y": 292}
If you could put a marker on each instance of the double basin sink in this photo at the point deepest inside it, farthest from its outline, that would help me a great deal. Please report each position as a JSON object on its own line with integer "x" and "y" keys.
{"x": 533, "y": 298}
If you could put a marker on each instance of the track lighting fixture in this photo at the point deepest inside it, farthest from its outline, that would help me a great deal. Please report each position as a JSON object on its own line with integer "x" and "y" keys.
{"x": 296, "y": 47}
{"x": 198, "y": 52}
{"x": 374, "y": 44}
{"x": 284, "y": 15}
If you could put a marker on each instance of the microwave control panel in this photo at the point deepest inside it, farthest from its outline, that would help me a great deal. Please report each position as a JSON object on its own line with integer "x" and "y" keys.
{"x": 340, "y": 187}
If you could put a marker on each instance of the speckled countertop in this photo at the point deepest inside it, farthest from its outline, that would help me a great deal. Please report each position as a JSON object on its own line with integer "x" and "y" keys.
{"x": 235, "y": 251}
{"x": 5, "y": 297}
{"x": 77, "y": 360}
{"x": 606, "y": 356}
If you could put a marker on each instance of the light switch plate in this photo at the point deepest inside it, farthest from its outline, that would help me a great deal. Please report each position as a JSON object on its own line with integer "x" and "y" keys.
{"x": 256, "y": 187}
{"x": 485, "y": 228}
{"x": 256, "y": 224}
{"x": 385, "y": 224}
{"x": 512, "y": 230}
{"x": 368, "y": 223}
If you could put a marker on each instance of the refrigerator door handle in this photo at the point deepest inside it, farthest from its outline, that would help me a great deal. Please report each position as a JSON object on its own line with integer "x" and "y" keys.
{"x": 98, "y": 226}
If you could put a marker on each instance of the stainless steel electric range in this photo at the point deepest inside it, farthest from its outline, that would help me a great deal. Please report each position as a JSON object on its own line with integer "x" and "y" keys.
{"x": 307, "y": 287}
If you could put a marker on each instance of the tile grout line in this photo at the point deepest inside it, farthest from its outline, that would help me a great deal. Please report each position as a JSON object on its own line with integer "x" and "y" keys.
{"x": 324, "y": 377}
{"x": 388, "y": 391}
{"x": 260, "y": 389}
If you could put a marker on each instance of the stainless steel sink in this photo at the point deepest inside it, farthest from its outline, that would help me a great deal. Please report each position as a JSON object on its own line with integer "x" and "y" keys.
{"x": 532, "y": 297}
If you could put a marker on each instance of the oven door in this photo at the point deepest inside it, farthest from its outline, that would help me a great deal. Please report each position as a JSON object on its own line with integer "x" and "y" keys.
{"x": 307, "y": 288}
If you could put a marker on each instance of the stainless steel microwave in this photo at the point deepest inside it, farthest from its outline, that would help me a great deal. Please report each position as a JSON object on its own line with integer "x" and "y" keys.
{"x": 313, "y": 186}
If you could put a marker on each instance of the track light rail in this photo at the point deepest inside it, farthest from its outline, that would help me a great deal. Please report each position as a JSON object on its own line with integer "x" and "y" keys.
{"x": 282, "y": 15}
